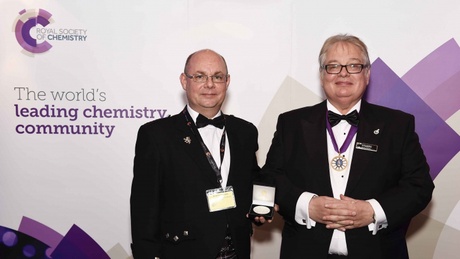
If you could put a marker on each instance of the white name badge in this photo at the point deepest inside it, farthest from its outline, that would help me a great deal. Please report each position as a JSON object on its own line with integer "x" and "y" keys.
{"x": 221, "y": 199}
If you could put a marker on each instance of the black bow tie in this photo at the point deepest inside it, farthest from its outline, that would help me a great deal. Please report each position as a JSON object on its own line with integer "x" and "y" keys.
{"x": 202, "y": 121}
{"x": 351, "y": 118}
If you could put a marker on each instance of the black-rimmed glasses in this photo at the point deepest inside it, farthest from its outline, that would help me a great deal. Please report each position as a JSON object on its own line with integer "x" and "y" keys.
{"x": 351, "y": 68}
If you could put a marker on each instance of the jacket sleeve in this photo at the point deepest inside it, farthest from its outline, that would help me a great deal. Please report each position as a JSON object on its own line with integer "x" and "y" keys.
{"x": 274, "y": 171}
{"x": 145, "y": 197}
{"x": 414, "y": 189}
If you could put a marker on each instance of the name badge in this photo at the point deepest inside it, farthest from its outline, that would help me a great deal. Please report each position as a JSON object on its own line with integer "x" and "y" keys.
{"x": 221, "y": 199}
{"x": 367, "y": 147}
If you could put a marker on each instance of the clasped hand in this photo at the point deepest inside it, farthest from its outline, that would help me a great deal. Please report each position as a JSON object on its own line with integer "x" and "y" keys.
{"x": 342, "y": 214}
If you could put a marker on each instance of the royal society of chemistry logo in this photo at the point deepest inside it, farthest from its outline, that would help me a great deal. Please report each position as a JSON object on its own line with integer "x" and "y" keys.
{"x": 33, "y": 32}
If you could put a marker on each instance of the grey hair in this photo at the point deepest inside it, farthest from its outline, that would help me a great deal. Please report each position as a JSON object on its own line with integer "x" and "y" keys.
{"x": 343, "y": 38}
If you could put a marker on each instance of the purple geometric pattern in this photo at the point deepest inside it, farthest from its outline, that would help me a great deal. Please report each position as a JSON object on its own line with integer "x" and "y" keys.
{"x": 35, "y": 240}
{"x": 436, "y": 79}
{"x": 77, "y": 244}
{"x": 439, "y": 141}
{"x": 40, "y": 232}
{"x": 17, "y": 245}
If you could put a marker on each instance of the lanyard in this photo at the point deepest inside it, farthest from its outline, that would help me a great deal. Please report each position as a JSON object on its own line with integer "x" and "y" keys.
{"x": 207, "y": 153}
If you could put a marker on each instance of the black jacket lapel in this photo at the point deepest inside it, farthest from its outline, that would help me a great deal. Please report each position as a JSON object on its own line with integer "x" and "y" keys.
{"x": 190, "y": 142}
{"x": 369, "y": 133}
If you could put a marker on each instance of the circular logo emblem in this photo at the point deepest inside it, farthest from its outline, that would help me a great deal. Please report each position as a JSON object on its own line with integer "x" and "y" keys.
{"x": 27, "y": 20}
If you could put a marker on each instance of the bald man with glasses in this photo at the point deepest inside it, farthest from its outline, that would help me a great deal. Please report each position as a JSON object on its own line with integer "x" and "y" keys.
{"x": 194, "y": 172}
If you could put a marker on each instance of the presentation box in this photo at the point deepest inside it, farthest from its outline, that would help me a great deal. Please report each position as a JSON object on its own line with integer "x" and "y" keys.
{"x": 263, "y": 202}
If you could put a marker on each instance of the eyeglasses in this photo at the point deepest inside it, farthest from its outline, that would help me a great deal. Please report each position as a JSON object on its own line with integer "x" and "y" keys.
{"x": 351, "y": 68}
{"x": 199, "y": 78}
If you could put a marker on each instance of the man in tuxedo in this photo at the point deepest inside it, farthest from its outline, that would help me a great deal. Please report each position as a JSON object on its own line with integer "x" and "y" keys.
{"x": 347, "y": 186}
{"x": 193, "y": 173}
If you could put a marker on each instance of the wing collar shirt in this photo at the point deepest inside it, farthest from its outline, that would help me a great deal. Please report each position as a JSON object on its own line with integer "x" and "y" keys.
{"x": 211, "y": 137}
{"x": 339, "y": 181}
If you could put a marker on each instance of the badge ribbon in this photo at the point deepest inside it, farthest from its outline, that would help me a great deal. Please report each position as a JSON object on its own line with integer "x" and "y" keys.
{"x": 339, "y": 162}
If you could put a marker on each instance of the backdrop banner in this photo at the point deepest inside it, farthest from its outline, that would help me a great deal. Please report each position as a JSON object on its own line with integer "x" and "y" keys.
{"x": 78, "y": 78}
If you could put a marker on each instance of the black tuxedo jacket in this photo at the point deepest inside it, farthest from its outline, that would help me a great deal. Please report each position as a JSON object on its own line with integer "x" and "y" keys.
{"x": 397, "y": 176}
{"x": 170, "y": 217}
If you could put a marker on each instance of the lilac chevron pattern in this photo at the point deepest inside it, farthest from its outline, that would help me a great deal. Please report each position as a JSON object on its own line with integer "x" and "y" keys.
{"x": 436, "y": 79}
{"x": 427, "y": 91}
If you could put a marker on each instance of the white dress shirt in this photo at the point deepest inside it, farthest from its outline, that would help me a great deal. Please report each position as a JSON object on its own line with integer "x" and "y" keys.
{"x": 339, "y": 181}
{"x": 211, "y": 137}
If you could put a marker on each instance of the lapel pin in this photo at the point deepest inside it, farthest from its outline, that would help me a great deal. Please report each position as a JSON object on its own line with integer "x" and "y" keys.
{"x": 187, "y": 140}
{"x": 377, "y": 131}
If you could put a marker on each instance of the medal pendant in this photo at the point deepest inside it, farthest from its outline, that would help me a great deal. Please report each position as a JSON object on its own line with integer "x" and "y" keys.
{"x": 339, "y": 162}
